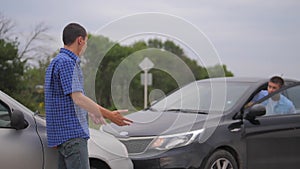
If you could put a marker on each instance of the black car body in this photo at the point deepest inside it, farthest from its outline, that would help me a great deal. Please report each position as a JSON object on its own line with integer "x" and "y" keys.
{"x": 207, "y": 124}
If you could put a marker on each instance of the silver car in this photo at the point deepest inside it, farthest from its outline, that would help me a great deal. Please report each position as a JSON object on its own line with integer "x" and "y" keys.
{"x": 23, "y": 142}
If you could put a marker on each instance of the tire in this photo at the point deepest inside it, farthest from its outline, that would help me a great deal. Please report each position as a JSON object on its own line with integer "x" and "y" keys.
{"x": 96, "y": 164}
{"x": 221, "y": 159}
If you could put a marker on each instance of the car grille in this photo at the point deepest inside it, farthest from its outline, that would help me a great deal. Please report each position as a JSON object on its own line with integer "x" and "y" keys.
{"x": 136, "y": 145}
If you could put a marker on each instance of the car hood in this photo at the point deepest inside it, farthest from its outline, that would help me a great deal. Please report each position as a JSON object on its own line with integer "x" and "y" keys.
{"x": 152, "y": 123}
{"x": 101, "y": 145}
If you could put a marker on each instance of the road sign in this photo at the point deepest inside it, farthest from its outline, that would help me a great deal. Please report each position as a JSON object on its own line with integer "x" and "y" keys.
{"x": 146, "y": 65}
{"x": 149, "y": 80}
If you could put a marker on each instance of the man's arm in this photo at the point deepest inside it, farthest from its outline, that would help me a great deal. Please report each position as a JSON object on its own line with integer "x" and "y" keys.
{"x": 256, "y": 98}
{"x": 99, "y": 111}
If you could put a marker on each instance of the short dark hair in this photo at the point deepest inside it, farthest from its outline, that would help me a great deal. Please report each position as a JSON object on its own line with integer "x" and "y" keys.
{"x": 277, "y": 80}
{"x": 71, "y": 32}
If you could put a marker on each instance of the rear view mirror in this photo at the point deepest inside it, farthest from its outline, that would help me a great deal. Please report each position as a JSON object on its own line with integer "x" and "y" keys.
{"x": 255, "y": 111}
{"x": 17, "y": 120}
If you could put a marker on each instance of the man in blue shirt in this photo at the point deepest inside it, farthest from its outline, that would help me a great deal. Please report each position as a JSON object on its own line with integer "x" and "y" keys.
{"x": 67, "y": 106}
{"x": 277, "y": 104}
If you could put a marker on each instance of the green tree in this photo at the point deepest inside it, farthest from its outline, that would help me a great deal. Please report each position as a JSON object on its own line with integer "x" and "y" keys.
{"x": 98, "y": 46}
{"x": 219, "y": 71}
{"x": 155, "y": 43}
{"x": 6, "y": 27}
{"x": 18, "y": 78}
{"x": 32, "y": 86}
{"x": 108, "y": 55}
{"x": 173, "y": 48}
{"x": 11, "y": 67}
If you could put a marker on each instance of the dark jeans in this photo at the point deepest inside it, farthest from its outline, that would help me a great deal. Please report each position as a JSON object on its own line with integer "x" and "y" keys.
{"x": 73, "y": 154}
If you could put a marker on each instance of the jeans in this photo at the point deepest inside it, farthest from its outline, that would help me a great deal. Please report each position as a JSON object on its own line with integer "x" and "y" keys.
{"x": 73, "y": 154}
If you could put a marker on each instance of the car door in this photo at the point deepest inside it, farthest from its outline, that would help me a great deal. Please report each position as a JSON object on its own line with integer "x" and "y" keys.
{"x": 18, "y": 148}
{"x": 273, "y": 142}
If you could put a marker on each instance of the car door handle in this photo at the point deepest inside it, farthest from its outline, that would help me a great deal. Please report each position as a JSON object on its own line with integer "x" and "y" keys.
{"x": 235, "y": 127}
{"x": 235, "y": 130}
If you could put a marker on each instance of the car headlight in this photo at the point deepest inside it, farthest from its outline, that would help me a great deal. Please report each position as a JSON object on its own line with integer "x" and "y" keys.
{"x": 175, "y": 140}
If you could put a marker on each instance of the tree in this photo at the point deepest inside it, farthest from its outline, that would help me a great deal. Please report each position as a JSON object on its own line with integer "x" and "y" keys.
{"x": 112, "y": 54}
{"x": 11, "y": 67}
{"x": 155, "y": 43}
{"x": 94, "y": 55}
{"x": 219, "y": 71}
{"x": 173, "y": 48}
{"x": 6, "y": 27}
{"x": 18, "y": 78}
{"x": 36, "y": 45}
{"x": 32, "y": 86}
{"x": 34, "y": 48}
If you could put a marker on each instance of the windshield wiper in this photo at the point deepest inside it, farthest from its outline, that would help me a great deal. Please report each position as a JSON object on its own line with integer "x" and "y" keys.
{"x": 151, "y": 109}
{"x": 187, "y": 111}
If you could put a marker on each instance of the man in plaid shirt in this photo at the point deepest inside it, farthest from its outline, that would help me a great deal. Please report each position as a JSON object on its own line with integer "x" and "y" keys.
{"x": 66, "y": 105}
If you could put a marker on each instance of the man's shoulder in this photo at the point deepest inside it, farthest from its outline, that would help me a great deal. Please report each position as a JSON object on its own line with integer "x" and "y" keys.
{"x": 285, "y": 100}
{"x": 263, "y": 92}
{"x": 260, "y": 95}
{"x": 61, "y": 59}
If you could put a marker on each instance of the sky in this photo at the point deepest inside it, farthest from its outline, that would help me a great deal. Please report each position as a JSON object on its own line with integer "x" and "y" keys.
{"x": 253, "y": 38}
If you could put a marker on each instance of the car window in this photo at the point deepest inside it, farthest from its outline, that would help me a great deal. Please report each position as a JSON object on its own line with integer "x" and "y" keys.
{"x": 4, "y": 115}
{"x": 204, "y": 96}
{"x": 293, "y": 94}
{"x": 283, "y": 103}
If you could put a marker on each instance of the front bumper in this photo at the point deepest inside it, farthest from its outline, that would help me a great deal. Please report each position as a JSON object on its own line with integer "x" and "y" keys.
{"x": 124, "y": 163}
{"x": 163, "y": 163}
{"x": 188, "y": 157}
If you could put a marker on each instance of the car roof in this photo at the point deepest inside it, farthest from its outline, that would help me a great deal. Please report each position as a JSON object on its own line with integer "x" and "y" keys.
{"x": 243, "y": 79}
{"x": 236, "y": 79}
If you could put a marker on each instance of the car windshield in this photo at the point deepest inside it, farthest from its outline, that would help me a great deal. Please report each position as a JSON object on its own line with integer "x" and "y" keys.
{"x": 203, "y": 97}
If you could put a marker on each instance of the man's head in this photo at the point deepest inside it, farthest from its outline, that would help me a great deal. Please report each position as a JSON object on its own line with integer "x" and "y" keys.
{"x": 75, "y": 38}
{"x": 275, "y": 83}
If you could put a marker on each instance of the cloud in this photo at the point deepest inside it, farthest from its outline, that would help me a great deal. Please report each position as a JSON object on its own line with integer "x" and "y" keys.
{"x": 245, "y": 33}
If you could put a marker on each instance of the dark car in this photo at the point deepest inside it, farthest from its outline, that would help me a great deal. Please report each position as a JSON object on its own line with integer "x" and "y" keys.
{"x": 209, "y": 124}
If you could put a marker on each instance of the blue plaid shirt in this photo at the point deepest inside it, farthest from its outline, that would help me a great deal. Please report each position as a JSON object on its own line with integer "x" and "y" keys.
{"x": 64, "y": 119}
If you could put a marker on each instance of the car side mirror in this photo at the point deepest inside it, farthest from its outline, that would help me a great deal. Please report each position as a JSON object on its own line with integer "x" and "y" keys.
{"x": 17, "y": 120}
{"x": 255, "y": 111}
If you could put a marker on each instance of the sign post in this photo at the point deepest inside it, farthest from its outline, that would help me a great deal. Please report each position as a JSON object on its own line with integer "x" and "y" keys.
{"x": 146, "y": 65}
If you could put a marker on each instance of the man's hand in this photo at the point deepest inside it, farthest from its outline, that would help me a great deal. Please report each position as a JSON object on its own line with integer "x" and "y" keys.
{"x": 97, "y": 120}
{"x": 97, "y": 112}
{"x": 117, "y": 118}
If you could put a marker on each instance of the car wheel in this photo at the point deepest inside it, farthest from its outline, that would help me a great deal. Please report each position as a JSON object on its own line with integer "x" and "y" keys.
{"x": 96, "y": 164}
{"x": 221, "y": 159}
